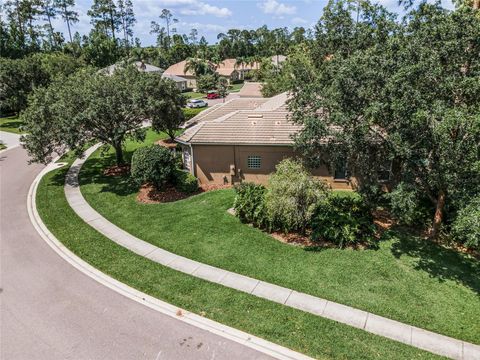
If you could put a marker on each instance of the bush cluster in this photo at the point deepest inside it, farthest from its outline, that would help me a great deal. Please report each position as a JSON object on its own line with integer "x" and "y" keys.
{"x": 466, "y": 226}
{"x": 343, "y": 220}
{"x": 249, "y": 203}
{"x": 185, "y": 182}
{"x": 157, "y": 165}
{"x": 294, "y": 201}
{"x": 152, "y": 164}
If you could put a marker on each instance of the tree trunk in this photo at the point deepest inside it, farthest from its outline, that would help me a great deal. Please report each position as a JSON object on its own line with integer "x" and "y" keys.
{"x": 118, "y": 153}
{"x": 67, "y": 21}
{"x": 438, "y": 217}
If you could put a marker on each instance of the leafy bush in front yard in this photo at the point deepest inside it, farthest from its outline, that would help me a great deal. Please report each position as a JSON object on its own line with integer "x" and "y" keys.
{"x": 343, "y": 220}
{"x": 185, "y": 182}
{"x": 249, "y": 203}
{"x": 291, "y": 197}
{"x": 405, "y": 207}
{"x": 466, "y": 226}
{"x": 189, "y": 113}
{"x": 152, "y": 164}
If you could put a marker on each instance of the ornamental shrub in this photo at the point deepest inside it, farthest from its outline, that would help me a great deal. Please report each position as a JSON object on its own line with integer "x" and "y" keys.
{"x": 343, "y": 220}
{"x": 249, "y": 203}
{"x": 466, "y": 226}
{"x": 152, "y": 164}
{"x": 292, "y": 196}
{"x": 185, "y": 182}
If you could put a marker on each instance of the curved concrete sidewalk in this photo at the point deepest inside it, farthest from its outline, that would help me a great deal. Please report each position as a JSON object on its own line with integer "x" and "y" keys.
{"x": 407, "y": 334}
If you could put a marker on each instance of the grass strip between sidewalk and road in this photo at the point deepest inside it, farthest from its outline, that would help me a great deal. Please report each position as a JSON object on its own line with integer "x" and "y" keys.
{"x": 297, "y": 330}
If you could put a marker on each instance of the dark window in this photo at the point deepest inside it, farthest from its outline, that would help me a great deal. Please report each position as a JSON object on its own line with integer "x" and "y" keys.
{"x": 340, "y": 171}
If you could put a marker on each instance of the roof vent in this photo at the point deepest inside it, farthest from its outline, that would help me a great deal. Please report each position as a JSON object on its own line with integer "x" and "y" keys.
{"x": 254, "y": 123}
{"x": 255, "y": 116}
{"x": 278, "y": 122}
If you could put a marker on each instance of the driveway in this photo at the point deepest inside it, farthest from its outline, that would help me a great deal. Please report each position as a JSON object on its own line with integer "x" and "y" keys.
{"x": 49, "y": 310}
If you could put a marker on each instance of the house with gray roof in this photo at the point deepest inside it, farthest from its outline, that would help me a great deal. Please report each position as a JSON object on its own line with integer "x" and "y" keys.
{"x": 244, "y": 140}
{"x": 179, "y": 81}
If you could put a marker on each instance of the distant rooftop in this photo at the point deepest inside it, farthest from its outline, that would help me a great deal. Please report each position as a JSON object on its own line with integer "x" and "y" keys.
{"x": 141, "y": 66}
{"x": 173, "y": 77}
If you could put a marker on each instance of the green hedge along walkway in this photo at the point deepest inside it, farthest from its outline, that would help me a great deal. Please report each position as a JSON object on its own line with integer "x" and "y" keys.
{"x": 395, "y": 330}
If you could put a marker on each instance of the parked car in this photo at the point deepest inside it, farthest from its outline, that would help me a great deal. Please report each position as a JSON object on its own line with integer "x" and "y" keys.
{"x": 212, "y": 94}
{"x": 196, "y": 103}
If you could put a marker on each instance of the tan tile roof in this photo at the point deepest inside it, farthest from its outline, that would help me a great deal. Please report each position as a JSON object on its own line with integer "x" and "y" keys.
{"x": 244, "y": 127}
{"x": 222, "y": 109}
{"x": 251, "y": 89}
{"x": 266, "y": 124}
{"x": 178, "y": 69}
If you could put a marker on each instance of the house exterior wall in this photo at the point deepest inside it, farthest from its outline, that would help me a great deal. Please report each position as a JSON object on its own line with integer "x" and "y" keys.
{"x": 228, "y": 164}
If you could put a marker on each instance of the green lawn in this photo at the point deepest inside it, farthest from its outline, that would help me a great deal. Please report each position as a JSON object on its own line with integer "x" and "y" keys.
{"x": 194, "y": 95}
{"x": 407, "y": 279}
{"x": 10, "y": 124}
{"x": 312, "y": 335}
{"x": 235, "y": 87}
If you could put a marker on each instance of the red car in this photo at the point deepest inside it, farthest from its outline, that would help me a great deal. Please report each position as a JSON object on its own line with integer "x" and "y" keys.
{"x": 212, "y": 95}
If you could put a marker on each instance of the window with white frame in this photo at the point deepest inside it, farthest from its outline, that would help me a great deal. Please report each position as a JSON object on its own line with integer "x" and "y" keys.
{"x": 254, "y": 162}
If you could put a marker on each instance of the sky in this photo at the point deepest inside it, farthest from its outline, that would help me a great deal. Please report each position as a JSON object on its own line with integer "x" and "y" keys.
{"x": 211, "y": 17}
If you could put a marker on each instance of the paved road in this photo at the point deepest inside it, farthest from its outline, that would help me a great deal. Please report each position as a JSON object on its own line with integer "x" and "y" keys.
{"x": 49, "y": 310}
{"x": 9, "y": 139}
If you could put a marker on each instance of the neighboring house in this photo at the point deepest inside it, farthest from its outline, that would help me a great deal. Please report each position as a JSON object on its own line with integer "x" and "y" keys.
{"x": 228, "y": 68}
{"x": 141, "y": 66}
{"x": 230, "y": 144}
{"x": 179, "y": 81}
{"x": 178, "y": 69}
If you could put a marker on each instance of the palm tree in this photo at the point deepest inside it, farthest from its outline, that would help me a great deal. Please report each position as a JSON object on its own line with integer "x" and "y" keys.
{"x": 198, "y": 66}
{"x": 240, "y": 61}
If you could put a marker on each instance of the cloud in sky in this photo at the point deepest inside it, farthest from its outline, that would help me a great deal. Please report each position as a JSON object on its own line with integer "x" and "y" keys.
{"x": 274, "y": 7}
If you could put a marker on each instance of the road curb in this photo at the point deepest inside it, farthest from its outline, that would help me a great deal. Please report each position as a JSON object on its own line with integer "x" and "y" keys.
{"x": 256, "y": 343}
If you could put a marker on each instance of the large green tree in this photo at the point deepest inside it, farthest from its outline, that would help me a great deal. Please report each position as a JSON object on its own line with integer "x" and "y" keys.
{"x": 83, "y": 107}
{"x": 163, "y": 104}
{"x": 407, "y": 96}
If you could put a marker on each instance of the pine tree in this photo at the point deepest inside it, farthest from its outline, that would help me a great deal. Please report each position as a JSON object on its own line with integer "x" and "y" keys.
{"x": 68, "y": 14}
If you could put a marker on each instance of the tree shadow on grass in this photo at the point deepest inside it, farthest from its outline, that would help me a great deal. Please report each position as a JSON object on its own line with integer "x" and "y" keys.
{"x": 11, "y": 124}
{"x": 439, "y": 262}
{"x": 92, "y": 172}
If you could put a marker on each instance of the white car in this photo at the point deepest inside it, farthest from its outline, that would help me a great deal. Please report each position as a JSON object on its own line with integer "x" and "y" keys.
{"x": 196, "y": 103}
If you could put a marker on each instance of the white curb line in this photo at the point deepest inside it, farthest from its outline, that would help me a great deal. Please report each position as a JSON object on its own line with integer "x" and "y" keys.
{"x": 214, "y": 327}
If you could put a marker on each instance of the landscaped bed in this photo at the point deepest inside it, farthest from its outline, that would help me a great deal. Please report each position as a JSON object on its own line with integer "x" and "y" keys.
{"x": 312, "y": 335}
{"x": 407, "y": 278}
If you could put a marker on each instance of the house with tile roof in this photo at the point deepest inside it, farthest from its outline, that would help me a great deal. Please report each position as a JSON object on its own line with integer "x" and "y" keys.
{"x": 243, "y": 140}
{"x": 178, "y": 69}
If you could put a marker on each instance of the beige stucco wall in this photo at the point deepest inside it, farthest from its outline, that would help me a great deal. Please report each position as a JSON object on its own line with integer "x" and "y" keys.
{"x": 212, "y": 164}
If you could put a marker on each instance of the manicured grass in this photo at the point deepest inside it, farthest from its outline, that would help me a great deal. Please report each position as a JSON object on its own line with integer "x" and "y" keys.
{"x": 407, "y": 278}
{"x": 194, "y": 95}
{"x": 235, "y": 87}
{"x": 11, "y": 124}
{"x": 315, "y": 336}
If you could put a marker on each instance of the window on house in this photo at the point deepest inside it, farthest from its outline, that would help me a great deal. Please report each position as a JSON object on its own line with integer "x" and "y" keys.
{"x": 254, "y": 162}
{"x": 340, "y": 171}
